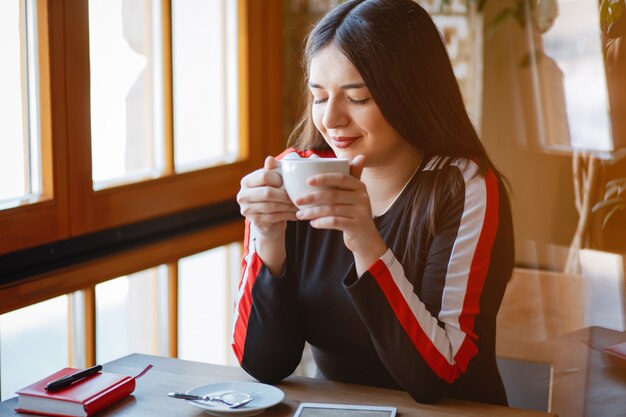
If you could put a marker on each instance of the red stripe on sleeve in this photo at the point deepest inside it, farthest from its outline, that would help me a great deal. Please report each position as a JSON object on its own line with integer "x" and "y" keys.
{"x": 246, "y": 250}
{"x": 482, "y": 257}
{"x": 435, "y": 360}
{"x": 244, "y": 308}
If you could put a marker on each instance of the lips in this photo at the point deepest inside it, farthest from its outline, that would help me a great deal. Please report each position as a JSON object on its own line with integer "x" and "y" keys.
{"x": 343, "y": 142}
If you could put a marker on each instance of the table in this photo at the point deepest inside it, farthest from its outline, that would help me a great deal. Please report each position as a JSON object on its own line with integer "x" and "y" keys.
{"x": 583, "y": 385}
{"x": 168, "y": 374}
{"x": 543, "y": 320}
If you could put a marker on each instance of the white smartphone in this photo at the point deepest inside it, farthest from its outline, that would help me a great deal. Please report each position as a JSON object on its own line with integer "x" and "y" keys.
{"x": 343, "y": 410}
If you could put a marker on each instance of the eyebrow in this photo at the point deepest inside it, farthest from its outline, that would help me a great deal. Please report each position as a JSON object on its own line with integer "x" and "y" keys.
{"x": 343, "y": 87}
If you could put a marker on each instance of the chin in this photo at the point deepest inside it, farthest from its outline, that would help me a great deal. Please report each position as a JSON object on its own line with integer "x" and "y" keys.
{"x": 345, "y": 153}
{"x": 350, "y": 151}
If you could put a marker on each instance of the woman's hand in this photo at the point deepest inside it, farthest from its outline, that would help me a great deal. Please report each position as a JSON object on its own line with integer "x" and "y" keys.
{"x": 345, "y": 207}
{"x": 264, "y": 201}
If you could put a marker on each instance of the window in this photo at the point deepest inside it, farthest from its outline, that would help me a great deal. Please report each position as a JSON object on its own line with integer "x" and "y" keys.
{"x": 571, "y": 85}
{"x": 204, "y": 79}
{"x": 128, "y": 132}
{"x": 126, "y": 91}
{"x": 36, "y": 331}
{"x": 79, "y": 194}
{"x": 202, "y": 177}
{"x": 134, "y": 313}
{"x": 206, "y": 302}
{"x": 32, "y": 204}
{"x": 131, "y": 315}
{"x": 20, "y": 161}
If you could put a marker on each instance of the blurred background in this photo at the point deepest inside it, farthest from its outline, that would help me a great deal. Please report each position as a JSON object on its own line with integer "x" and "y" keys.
{"x": 126, "y": 126}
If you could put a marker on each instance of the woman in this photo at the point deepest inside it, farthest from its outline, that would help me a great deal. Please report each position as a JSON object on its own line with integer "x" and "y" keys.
{"x": 395, "y": 276}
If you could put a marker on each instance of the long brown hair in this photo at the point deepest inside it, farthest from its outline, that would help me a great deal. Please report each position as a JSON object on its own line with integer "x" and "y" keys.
{"x": 399, "y": 52}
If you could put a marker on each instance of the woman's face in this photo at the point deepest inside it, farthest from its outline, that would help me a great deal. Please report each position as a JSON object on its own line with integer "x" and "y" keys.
{"x": 346, "y": 114}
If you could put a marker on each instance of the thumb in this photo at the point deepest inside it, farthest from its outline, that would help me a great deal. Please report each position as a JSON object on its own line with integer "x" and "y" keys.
{"x": 270, "y": 163}
{"x": 356, "y": 166}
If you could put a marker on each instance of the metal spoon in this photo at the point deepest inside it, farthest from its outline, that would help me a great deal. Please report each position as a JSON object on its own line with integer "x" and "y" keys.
{"x": 229, "y": 399}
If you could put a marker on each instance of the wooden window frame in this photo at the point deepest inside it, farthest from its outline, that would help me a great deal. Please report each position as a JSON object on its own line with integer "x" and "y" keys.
{"x": 47, "y": 219}
{"x": 90, "y": 273}
{"x": 73, "y": 208}
{"x": 84, "y": 278}
{"x": 260, "y": 126}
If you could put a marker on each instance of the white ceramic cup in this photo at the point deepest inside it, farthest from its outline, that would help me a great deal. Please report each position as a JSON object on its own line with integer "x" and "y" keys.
{"x": 296, "y": 172}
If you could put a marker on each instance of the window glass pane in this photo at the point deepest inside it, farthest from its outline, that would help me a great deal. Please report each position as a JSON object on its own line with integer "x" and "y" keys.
{"x": 19, "y": 104}
{"x": 129, "y": 315}
{"x": 204, "y": 54}
{"x": 573, "y": 72}
{"x": 126, "y": 91}
{"x": 207, "y": 284}
{"x": 28, "y": 335}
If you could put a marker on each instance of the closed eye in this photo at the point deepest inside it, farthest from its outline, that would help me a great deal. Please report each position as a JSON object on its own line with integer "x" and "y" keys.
{"x": 351, "y": 100}
{"x": 362, "y": 101}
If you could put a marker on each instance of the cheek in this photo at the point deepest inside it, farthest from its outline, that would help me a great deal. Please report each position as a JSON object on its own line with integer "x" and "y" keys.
{"x": 375, "y": 122}
{"x": 318, "y": 116}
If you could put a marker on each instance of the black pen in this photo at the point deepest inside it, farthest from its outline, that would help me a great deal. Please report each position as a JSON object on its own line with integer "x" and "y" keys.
{"x": 66, "y": 380}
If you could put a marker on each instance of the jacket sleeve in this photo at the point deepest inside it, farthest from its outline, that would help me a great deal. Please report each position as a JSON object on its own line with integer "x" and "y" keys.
{"x": 267, "y": 336}
{"x": 427, "y": 342}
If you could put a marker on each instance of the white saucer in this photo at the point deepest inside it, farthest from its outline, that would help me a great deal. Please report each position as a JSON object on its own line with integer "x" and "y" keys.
{"x": 264, "y": 396}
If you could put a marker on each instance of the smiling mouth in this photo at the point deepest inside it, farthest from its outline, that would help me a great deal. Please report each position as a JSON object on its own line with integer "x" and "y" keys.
{"x": 343, "y": 142}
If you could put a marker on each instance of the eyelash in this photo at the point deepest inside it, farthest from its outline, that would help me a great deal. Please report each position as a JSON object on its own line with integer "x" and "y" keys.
{"x": 359, "y": 102}
{"x": 353, "y": 101}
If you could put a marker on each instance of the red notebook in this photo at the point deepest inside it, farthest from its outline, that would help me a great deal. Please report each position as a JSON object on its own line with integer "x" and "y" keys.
{"x": 83, "y": 398}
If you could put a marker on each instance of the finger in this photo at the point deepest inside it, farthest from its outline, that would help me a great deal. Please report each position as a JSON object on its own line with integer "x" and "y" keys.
{"x": 343, "y": 181}
{"x": 315, "y": 212}
{"x": 270, "y": 163}
{"x": 356, "y": 166}
{"x": 327, "y": 197}
{"x": 263, "y": 194}
{"x": 267, "y": 208}
{"x": 331, "y": 222}
{"x": 262, "y": 178}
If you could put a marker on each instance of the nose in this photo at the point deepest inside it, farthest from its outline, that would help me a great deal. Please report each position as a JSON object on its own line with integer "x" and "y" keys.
{"x": 335, "y": 114}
